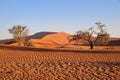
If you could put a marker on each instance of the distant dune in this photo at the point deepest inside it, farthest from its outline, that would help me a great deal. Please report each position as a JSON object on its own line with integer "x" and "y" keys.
{"x": 39, "y": 35}
{"x": 60, "y": 38}
{"x": 54, "y": 39}
{"x": 114, "y": 42}
{"x": 7, "y": 41}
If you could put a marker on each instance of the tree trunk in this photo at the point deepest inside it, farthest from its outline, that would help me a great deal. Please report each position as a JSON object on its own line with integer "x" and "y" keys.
{"x": 91, "y": 45}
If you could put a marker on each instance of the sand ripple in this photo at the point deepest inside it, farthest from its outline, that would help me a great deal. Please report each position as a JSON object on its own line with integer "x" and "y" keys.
{"x": 31, "y": 65}
{"x": 60, "y": 71}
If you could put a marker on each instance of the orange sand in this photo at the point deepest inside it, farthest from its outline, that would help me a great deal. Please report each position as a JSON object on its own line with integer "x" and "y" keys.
{"x": 19, "y": 64}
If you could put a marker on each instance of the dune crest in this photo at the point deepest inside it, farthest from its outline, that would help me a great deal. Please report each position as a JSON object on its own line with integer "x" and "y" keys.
{"x": 59, "y": 38}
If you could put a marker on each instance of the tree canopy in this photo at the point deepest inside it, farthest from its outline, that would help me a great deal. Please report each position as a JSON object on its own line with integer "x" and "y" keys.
{"x": 19, "y": 33}
{"x": 91, "y": 35}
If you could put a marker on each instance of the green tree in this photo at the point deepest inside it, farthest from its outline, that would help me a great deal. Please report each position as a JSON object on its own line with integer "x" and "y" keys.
{"x": 19, "y": 33}
{"x": 91, "y": 36}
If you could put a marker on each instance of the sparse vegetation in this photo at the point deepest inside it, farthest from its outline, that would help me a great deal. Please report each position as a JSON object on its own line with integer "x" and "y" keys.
{"x": 29, "y": 44}
{"x": 91, "y": 35}
{"x": 19, "y": 33}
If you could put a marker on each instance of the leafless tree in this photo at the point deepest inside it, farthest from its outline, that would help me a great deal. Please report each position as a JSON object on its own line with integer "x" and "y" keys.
{"x": 19, "y": 33}
{"x": 91, "y": 36}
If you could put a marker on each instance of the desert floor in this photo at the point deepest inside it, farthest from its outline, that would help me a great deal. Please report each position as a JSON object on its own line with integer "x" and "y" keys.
{"x": 59, "y": 65}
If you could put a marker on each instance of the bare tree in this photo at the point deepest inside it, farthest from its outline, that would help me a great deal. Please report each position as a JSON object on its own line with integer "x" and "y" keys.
{"x": 19, "y": 33}
{"x": 91, "y": 36}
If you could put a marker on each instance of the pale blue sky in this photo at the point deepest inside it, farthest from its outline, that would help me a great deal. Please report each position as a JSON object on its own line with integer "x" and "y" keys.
{"x": 59, "y": 15}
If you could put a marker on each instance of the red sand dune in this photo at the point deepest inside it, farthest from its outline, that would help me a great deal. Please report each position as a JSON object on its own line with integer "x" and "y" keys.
{"x": 39, "y": 35}
{"x": 59, "y": 38}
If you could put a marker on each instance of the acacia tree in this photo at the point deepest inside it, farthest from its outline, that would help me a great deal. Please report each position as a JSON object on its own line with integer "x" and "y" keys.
{"x": 91, "y": 36}
{"x": 19, "y": 33}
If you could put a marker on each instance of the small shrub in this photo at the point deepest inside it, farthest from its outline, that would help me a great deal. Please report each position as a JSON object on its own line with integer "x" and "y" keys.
{"x": 29, "y": 44}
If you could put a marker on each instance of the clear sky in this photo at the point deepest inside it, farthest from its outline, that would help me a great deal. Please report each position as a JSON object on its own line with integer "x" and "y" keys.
{"x": 59, "y": 15}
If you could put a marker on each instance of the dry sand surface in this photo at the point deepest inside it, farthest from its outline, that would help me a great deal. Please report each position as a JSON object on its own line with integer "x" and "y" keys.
{"x": 16, "y": 64}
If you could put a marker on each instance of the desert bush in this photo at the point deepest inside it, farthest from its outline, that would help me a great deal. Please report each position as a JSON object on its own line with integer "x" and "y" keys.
{"x": 29, "y": 44}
